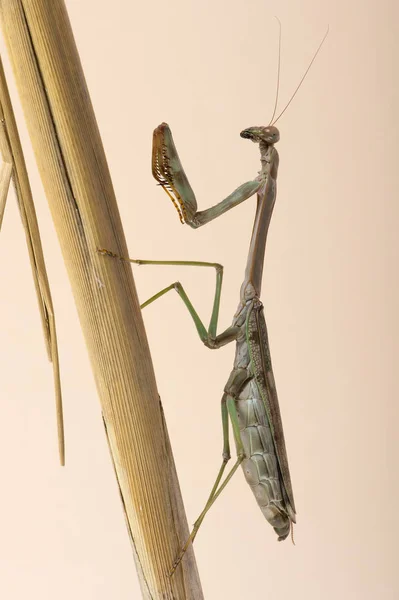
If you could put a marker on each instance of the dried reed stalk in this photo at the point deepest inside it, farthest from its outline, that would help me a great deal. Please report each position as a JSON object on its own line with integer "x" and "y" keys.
{"x": 78, "y": 186}
{"x": 14, "y": 167}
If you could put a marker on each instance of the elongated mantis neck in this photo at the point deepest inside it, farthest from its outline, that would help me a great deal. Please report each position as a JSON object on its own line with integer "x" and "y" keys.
{"x": 266, "y": 151}
{"x": 251, "y": 286}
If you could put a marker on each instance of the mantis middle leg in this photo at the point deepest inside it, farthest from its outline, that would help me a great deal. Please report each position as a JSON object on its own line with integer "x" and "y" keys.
{"x": 208, "y": 336}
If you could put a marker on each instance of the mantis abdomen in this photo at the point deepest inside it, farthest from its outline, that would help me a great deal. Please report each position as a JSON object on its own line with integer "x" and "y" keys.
{"x": 260, "y": 462}
{"x": 260, "y": 465}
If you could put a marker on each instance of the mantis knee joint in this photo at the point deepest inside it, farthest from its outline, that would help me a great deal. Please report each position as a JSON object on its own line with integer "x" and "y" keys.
{"x": 211, "y": 343}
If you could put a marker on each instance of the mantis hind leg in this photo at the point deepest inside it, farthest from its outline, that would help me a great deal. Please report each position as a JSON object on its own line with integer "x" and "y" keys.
{"x": 228, "y": 409}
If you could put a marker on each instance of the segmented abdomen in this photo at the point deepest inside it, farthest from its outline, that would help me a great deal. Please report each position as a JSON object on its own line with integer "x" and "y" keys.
{"x": 260, "y": 465}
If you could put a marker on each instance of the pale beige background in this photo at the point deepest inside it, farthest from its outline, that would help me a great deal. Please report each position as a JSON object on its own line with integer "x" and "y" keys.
{"x": 330, "y": 291}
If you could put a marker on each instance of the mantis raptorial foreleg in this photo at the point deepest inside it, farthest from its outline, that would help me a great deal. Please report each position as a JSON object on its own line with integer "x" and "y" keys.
{"x": 168, "y": 171}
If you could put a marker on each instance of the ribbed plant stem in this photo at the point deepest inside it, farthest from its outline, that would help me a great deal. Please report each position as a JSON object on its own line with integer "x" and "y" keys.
{"x": 75, "y": 175}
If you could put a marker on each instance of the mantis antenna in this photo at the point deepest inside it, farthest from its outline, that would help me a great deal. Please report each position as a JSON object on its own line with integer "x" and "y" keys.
{"x": 303, "y": 76}
{"x": 278, "y": 71}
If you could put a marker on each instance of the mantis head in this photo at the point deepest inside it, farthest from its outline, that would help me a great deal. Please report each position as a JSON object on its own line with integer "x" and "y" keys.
{"x": 268, "y": 135}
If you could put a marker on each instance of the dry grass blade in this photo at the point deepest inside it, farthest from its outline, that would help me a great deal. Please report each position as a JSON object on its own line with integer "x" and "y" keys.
{"x": 14, "y": 165}
{"x": 76, "y": 179}
{"x": 5, "y": 178}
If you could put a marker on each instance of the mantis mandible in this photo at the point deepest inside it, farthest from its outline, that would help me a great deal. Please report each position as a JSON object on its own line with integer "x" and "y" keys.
{"x": 250, "y": 398}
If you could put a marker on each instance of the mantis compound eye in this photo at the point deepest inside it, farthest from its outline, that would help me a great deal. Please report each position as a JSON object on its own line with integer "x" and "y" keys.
{"x": 271, "y": 134}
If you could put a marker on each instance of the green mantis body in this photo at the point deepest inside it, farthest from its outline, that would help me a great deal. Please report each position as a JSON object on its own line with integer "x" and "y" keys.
{"x": 250, "y": 397}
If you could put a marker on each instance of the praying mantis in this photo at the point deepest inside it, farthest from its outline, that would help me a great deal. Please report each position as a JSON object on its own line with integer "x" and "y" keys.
{"x": 249, "y": 397}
